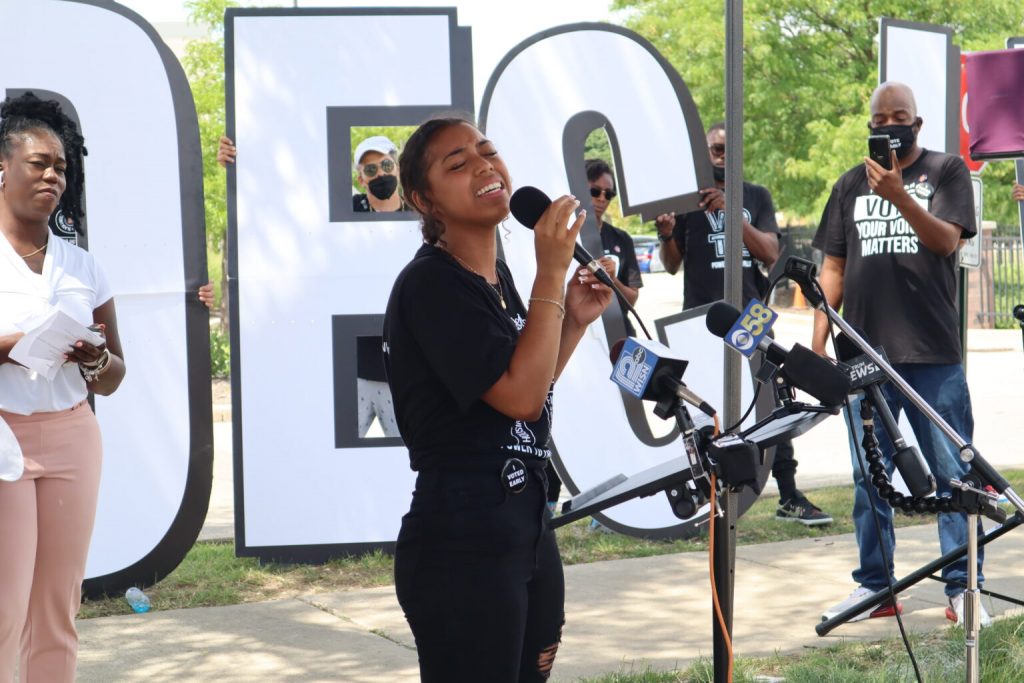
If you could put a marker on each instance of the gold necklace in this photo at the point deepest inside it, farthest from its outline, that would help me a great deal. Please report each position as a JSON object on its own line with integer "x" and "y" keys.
{"x": 33, "y": 253}
{"x": 495, "y": 287}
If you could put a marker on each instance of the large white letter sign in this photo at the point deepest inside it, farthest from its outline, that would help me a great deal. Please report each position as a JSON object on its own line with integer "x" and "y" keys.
{"x": 310, "y": 278}
{"x": 146, "y": 227}
{"x": 543, "y": 100}
{"x": 923, "y": 56}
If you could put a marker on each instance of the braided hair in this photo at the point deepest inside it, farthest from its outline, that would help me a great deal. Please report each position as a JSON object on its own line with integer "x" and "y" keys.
{"x": 24, "y": 113}
{"x": 412, "y": 171}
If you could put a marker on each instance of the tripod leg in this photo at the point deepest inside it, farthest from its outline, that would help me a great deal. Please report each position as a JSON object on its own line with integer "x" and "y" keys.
{"x": 972, "y": 601}
{"x": 825, "y": 627}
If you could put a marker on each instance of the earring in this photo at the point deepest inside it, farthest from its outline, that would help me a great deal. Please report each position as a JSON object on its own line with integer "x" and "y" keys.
{"x": 1, "y": 180}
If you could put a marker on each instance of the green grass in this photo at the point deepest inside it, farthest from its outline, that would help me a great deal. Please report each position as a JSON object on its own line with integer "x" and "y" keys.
{"x": 940, "y": 656}
{"x": 211, "y": 575}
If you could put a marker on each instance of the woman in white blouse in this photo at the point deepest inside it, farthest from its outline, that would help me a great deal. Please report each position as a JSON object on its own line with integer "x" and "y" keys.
{"x": 46, "y": 516}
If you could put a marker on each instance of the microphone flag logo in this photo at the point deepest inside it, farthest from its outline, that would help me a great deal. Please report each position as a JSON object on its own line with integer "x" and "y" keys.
{"x": 632, "y": 371}
{"x": 751, "y": 327}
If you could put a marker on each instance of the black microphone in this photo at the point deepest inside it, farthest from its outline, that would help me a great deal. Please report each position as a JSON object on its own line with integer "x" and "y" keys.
{"x": 528, "y": 204}
{"x": 1018, "y": 313}
{"x": 866, "y": 376}
{"x": 664, "y": 370}
{"x": 801, "y": 367}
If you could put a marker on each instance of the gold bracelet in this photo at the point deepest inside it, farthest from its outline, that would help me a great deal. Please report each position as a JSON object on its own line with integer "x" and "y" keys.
{"x": 561, "y": 307}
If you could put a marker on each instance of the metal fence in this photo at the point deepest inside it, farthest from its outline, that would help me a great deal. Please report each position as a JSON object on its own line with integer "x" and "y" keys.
{"x": 1002, "y": 272}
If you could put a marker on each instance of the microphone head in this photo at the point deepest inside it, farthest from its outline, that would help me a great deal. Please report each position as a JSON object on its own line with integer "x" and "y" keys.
{"x": 821, "y": 379}
{"x": 720, "y": 318}
{"x": 528, "y": 204}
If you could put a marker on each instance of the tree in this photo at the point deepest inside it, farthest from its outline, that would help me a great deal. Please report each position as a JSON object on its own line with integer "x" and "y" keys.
{"x": 809, "y": 68}
{"x": 204, "y": 66}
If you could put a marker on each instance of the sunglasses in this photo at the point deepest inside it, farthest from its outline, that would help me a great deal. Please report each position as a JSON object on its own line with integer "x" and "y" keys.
{"x": 386, "y": 165}
{"x": 717, "y": 150}
{"x": 609, "y": 195}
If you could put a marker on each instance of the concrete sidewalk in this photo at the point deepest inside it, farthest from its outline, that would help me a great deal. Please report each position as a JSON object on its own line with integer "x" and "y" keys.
{"x": 620, "y": 614}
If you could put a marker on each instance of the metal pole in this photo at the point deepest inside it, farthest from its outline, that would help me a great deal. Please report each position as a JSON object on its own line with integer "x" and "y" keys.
{"x": 972, "y": 602}
{"x": 725, "y": 528}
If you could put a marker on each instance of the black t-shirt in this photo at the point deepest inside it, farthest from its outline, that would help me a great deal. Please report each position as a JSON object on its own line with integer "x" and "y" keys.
{"x": 700, "y": 236}
{"x": 901, "y": 294}
{"x": 447, "y": 341}
{"x": 618, "y": 244}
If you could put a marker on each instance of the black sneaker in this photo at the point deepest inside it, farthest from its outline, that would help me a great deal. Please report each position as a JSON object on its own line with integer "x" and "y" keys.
{"x": 803, "y": 511}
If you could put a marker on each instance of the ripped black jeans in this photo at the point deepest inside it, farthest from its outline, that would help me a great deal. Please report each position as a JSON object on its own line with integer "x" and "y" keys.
{"x": 479, "y": 577}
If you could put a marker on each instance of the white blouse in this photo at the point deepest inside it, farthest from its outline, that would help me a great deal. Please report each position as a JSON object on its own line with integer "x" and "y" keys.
{"x": 71, "y": 281}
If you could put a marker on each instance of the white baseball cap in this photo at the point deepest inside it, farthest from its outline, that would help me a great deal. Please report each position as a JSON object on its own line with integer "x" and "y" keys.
{"x": 374, "y": 143}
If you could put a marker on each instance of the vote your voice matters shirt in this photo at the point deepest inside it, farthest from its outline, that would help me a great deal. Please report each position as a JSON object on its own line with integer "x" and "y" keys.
{"x": 901, "y": 294}
{"x": 700, "y": 236}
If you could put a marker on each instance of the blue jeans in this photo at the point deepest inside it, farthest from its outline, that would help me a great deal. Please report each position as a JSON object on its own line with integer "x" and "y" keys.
{"x": 944, "y": 388}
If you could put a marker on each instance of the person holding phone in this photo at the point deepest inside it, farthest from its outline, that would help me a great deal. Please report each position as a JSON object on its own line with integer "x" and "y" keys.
{"x": 46, "y": 516}
{"x": 890, "y": 238}
{"x": 472, "y": 369}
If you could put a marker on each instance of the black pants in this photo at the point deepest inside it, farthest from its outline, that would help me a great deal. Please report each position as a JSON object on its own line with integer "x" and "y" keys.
{"x": 784, "y": 471}
{"x": 479, "y": 577}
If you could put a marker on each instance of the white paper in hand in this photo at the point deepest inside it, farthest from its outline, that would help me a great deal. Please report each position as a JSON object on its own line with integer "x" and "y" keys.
{"x": 47, "y": 338}
{"x": 12, "y": 464}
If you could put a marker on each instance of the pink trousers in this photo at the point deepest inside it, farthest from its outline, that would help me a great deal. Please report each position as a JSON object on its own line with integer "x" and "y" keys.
{"x": 46, "y": 521}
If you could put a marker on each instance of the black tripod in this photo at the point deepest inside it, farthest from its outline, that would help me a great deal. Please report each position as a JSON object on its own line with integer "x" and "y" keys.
{"x": 969, "y": 493}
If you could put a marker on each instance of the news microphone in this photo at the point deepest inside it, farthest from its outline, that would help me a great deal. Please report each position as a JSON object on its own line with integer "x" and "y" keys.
{"x": 1018, "y": 313}
{"x": 866, "y": 376}
{"x": 801, "y": 367}
{"x": 649, "y": 370}
{"x": 528, "y": 204}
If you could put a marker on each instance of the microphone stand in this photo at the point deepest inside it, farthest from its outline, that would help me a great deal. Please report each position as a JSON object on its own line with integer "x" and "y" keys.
{"x": 685, "y": 480}
{"x": 968, "y": 453}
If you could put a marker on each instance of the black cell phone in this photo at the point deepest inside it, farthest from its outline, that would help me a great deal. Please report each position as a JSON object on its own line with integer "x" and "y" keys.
{"x": 878, "y": 151}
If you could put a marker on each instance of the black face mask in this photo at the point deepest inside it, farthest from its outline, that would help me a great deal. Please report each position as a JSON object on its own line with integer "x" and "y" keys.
{"x": 718, "y": 172}
{"x": 383, "y": 186}
{"x": 901, "y": 138}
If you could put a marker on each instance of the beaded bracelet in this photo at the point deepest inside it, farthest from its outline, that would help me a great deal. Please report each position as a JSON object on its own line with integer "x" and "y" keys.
{"x": 561, "y": 307}
{"x": 92, "y": 371}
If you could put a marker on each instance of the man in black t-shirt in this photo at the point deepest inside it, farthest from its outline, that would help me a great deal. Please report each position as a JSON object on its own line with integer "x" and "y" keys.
{"x": 890, "y": 239}
{"x": 696, "y": 241}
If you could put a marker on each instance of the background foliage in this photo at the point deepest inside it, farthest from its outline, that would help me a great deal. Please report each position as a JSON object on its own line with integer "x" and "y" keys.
{"x": 809, "y": 68}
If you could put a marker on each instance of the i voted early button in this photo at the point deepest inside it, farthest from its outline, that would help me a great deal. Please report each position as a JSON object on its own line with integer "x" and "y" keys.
{"x": 513, "y": 475}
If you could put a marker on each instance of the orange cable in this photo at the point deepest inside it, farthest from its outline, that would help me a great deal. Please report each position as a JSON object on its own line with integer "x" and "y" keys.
{"x": 714, "y": 586}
